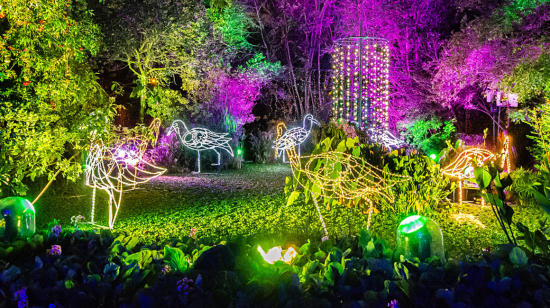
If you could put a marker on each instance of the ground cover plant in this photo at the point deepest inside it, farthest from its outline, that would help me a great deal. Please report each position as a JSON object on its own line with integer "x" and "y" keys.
{"x": 70, "y": 268}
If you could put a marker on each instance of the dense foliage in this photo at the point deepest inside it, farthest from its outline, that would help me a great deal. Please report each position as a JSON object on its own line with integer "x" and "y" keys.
{"x": 50, "y": 99}
{"x": 88, "y": 269}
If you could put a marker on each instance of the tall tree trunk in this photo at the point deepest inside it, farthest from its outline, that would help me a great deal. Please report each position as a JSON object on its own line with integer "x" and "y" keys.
{"x": 298, "y": 101}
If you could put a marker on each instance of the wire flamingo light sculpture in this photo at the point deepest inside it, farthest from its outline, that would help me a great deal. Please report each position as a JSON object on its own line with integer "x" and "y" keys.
{"x": 343, "y": 176}
{"x": 462, "y": 167}
{"x": 109, "y": 168}
{"x": 294, "y": 136}
{"x": 201, "y": 139}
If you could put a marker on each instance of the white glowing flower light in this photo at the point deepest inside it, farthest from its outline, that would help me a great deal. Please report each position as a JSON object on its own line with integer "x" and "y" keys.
{"x": 201, "y": 139}
{"x": 294, "y": 136}
{"x": 119, "y": 167}
{"x": 275, "y": 254}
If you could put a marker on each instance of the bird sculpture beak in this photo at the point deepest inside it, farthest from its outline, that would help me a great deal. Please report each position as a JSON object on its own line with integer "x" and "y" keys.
{"x": 169, "y": 131}
{"x": 316, "y": 122}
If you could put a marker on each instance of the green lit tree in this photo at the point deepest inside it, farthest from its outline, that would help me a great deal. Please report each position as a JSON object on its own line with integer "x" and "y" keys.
{"x": 50, "y": 100}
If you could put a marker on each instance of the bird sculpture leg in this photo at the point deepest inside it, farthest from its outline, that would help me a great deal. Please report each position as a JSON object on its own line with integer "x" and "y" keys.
{"x": 93, "y": 206}
{"x": 199, "y": 161}
{"x": 218, "y": 157}
{"x": 117, "y": 205}
{"x": 459, "y": 191}
{"x": 371, "y": 209}
{"x": 319, "y": 211}
{"x": 299, "y": 150}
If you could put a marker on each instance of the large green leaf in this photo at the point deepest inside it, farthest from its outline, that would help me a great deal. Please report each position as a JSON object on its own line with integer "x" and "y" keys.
{"x": 110, "y": 272}
{"x": 482, "y": 177}
{"x": 142, "y": 258}
{"x": 518, "y": 256}
{"x": 175, "y": 258}
{"x": 293, "y": 196}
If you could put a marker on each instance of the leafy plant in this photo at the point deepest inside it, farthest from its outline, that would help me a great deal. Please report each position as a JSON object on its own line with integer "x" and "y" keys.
{"x": 524, "y": 186}
{"x": 429, "y": 135}
{"x": 493, "y": 188}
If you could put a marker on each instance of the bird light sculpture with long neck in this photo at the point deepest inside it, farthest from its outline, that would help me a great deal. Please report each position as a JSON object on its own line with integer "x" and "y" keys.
{"x": 294, "y": 136}
{"x": 462, "y": 167}
{"x": 343, "y": 176}
{"x": 201, "y": 139}
{"x": 120, "y": 167}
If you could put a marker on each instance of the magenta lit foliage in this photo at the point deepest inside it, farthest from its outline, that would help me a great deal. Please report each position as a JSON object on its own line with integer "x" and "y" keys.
{"x": 235, "y": 95}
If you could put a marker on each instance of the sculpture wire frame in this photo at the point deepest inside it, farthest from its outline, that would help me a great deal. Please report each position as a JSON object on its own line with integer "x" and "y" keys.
{"x": 360, "y": 85}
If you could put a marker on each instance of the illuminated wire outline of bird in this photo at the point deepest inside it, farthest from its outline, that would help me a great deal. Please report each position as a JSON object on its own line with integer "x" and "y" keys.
{"x": 458, "y": 168}
{"x": 295, "y": 136}
{"x": 107, "y": 168}
{"x": 387, "y": 139}
{"x": 201, "y": 139}
{"x": 344, "y": 176}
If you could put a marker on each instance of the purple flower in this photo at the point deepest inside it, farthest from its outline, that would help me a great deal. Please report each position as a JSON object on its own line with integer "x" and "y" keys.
{"x": 56, "y": 230}
{"x": 56, "y": 250}
{"x": 21, "y": 298}
{"x": 184, "y": 285}
{"x": 393, "y": 304}
{"x": 166, "y": 269}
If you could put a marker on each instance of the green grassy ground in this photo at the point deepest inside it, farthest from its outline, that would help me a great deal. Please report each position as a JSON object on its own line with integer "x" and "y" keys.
{"x": 251, "y": 201}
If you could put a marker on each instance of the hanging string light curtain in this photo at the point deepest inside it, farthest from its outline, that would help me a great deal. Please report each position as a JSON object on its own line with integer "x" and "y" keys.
{"x": 360, "y": 84}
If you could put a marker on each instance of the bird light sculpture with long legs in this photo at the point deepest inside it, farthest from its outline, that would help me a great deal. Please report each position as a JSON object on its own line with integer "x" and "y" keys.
{"x": 120, "y": 167}
{"x": 462, "y": 167}
{"x": 201, "y": 139}
{"x": 294, "y": 136}
{"x": 343, "y": 176}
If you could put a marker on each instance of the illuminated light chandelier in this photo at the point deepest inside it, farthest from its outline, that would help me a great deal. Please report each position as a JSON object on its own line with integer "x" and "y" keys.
{"x": 109, "y": 168}
{"x": 462, "y": 167}
{"x": 344, "y": 176}
{"x": 360, "y": 84}
{"x": 201, "y": 139}
{"x": 294, "y": 136}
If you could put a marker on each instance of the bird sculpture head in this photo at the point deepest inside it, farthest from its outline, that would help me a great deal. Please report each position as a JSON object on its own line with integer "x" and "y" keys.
{"x": 309, "y": 119}
{"x": 177, "y": 127}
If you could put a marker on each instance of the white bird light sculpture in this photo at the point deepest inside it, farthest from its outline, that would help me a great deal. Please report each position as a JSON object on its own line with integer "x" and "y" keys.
{"x": 109, "y": 168}
{"x": 295, "y": 136}
{"x": 201, "y": 139}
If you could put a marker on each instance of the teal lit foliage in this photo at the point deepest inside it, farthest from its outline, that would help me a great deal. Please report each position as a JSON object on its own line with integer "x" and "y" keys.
{"x": 263, "y": 67}
{"x": 519, "y": 8}
{"x": 429, "y": 135}
{"x": 231, "y": 21}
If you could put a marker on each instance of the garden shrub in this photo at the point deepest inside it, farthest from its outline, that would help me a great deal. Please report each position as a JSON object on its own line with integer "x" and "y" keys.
{"x": 429, "y": 135}
{"x": 523, "y": 186}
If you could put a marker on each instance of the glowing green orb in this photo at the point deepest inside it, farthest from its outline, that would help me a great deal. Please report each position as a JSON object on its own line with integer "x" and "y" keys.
{"x": 433, "y": 156}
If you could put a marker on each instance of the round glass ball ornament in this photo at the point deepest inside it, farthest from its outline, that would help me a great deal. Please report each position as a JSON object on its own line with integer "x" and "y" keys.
{"x": 420, "y": 237}
{"x": 19, "y": 217}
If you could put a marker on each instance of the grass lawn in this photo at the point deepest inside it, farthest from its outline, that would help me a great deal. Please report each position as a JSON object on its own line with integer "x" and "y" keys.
{"x": 250, "y": 201}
